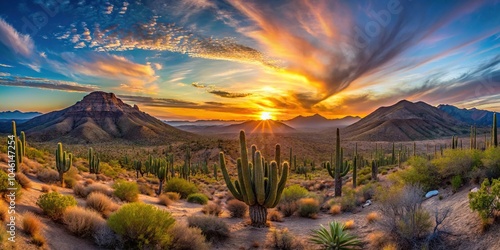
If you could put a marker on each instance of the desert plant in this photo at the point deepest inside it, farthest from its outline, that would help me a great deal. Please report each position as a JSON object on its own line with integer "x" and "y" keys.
{"x": 187, "y": 238}
{"x": 212, "y": 227}
{"x": 38, "y": 239}
{"x": 275, "y": 215}
{"x": 63, "y": 162}
{"x": 197, "y": 198}
{"x": 288, "y": 203}
{"x": 486, "y": 201}
{"x": 341, "y": 168}
{"x": 105, "y": 237}
{"x": 181, "y": 186}
{"x": 284, "y": 240}
{"x": 308, "y": 207}
{"x": 4, "y": 211}
{"x": 126, "y": 191}
{"x": 82, "y": 222}
{"x": 212, "y": 208}
{"x": 173, "y": 196}
{"x": 334, "y": 238}
{"x": 251, "y": 186}
{"x": 53, "y": 204}
{"x": 237, "y": 209}
{"x": 421, "y": 172}
{"x": 141, "y": 225}
{"x": 335, "y": 209}
{"x": 456, "y": 182}
{"x": 100, "y": 203}
{"x": 7, "y": 186}
{"x": 23, "y": 180}
{"x": 349, "y": 224}
{"x": 164, "y": 200}
{"x": 47, "y": 175}
{"x": 372, "y": 217}
{"x": 31, "y": 223}
{"x": 96, "y": 188}
{"x": 94, "y": 162}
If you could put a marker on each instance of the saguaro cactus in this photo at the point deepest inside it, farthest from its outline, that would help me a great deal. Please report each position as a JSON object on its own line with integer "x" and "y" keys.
{"x": 94, "y": 162}
{"x": 138, "y": 168}
{"x": 20, "y": 147}
{"x": 355, "y": 166}
{"x": 258, "y": 188}
{"x": 340, "y": 170}
{"x": 63, "y": 162}
{"x": 161, "y": 170}
{"x": 494, "y": 135}
{"x": 374, "y": 171}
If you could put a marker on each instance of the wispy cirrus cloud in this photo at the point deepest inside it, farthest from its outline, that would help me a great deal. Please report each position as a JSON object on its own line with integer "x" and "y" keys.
{"x": 15, "y": 41}
{"x": 42, "y": 83}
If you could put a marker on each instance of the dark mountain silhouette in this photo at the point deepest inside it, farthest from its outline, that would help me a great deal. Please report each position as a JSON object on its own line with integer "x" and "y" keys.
{"x": 405, "y": 121}
{"x": 319, "y": 122}
{"x": 267, "y": 126}
{"x": 478, "y": 117}
{"x": 100, "y": 117}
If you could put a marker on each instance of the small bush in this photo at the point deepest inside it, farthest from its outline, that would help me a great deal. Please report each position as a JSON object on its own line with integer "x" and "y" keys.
{"x": 69, "y": 182}
{"x": 334, "y": 235}
{"x": 48, "y": 175}
{"x": 212, "y": 208}
{"x": 335, "y": 209}
{"x": 274, "y": 215}
{"x": 101, "y": 203}
{"x": 82, "y": 222}
{"x": 288, "y": 208}
{"x": 456, "y": 183}
{"x": 141, "y": 225}
{"x": 31, "y": 224}
{"x": 181, "y": 186}
{"x": 458, "y": 162}
{"x": 164, "y": 200}
{"x": 372, "y": 217}
{"x": 173, "y": 196}
{"x": 390, "y": 246}
{"x": 294, "y": 193}
{"x": 197, "y": 198}
{"x": 187, "y": 238}
{"x": 126, "y": 191}
{"x": 212, "y": 227}
{"x": 83, "y": 191}
{"x": 53, "y": 204}
{"x": 5, "y": 184}
{"x": 45, "y": 188}
{"x": 421, "y": 172}
{"x": 237, "y": 209}
{"x": 349, "y": 224}
{"x": 348, "y": 200}
{"x": 308, "y": 207}
{"x": 284, "y": 240}
{"x": 23, "y": 180}
{"x": 38, "y": 240}
{"x": 377, "y": 239}
{"x": 105, "y": 237}
{"x": 486, "y": 200}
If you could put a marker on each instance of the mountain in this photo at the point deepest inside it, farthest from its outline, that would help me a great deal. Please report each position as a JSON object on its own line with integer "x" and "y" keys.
{"x": 481, "y": 118}
{"x": 405, "y": 121}
{"x": 18, "y": 115}
{"x": 267, "y": 126}
{"x": 319, "y": 122}
{"x": 100, "y": 117}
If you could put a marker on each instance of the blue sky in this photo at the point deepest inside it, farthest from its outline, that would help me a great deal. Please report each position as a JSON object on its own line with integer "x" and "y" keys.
{"x": 200, "y": 59}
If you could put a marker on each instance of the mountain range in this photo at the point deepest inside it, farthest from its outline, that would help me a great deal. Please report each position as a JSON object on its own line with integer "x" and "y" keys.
{"x": 267, "y": 126}
{"x": 17, "y": 115}
{"x": 472, "y": 116}
{"x": 317, "y": 121}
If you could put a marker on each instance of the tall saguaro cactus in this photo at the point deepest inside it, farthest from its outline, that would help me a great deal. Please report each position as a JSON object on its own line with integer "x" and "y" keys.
{"x": 340, "y": 170}
{"x": 259, "y": 187}
{"x": 355, "y": 165}
{"x": 494, "y": 135}
{"x": 20, "y": 147}
{"x": 94, "y": 162}
{"x": 63, "y": 162}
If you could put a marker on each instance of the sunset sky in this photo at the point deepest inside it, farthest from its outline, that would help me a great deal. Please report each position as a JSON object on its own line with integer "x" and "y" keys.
{"x": 234, "y": 59}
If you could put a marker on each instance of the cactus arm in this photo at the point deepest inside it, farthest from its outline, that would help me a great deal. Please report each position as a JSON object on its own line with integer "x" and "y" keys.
{"x": 259, "y": 179}
{"x": 245, "y": 170}
{"x": 236, "y": 193}
{"x": 272, "y": 185}
{"x": 281, "y": 184}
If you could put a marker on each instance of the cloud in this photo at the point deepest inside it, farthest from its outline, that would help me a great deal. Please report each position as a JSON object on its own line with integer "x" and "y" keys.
{"x": 42, "y": 83}
{"x": 15, "y": 41}
{"x": 5, "y": 65}
{"x": 198, "y": 85}
{"x": 226, "y": 94}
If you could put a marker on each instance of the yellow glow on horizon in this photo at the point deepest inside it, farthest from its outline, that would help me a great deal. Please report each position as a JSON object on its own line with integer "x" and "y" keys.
{"x": 265, "y": 116}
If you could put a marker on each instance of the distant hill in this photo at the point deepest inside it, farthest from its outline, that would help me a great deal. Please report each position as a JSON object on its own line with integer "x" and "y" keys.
{"x": 405, "y": 121}
{"x": 100, "y": 117}
{"x": 319, "y": 122}
{"x": 17, "y": 115}
{"x": 267, "y": 126}
{"x": 478, "y": 117}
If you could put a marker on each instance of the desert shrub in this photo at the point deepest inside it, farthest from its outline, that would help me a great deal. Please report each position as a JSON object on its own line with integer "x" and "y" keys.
{"x": 146, "y": 189}
{"x": 141, "y": 225}
{"x": 53, "y": 204}
{"x": 377, "y": 239}
{"x": 97, "y": 187}
{"x": 45, "y": 188}
{"x": 48, "y": 175}
{"x": 5, "y": 184}
{"x": 335, "y": 209}
{"x": 274, "y": 215}
{"x": 69, "y": 182}
{"x": 458, "y": 162}
{"x": 390, "y": 246}
{"x": 187, "y": 238}
{"x": 456, "y": 182}
{"x": 164, "y": 200}
{"x": 82, "y": 222}
{"x": 284, "y": 240}
{"x": 334, "y": 237}
{"x": 31, "y": 223}
{"x": 126, "y": 191}
{"x": 181, "y": 186}
{"x": 288, "y": 203}
{"x": 212, "y": 208}
{"x": 372, "y": 217}
{"x": 38, "y": 239}
{"x": 366, "y": 192}
{"x": 421, "y": 172}
{"x": 308, "y": 207}
{"x": 100, "y": 203}
{"x": 348, "y": 200}
{"x": 212, "y": 227}
{"x": 486, "y": 201}
{"x": 349, "y": 224}
{"x": 79, "y": 190}
{"x": 197, "y": 198}
{"x": 491, "y": 162}
{"x": 23, "y": 180}
{"x": 105, "y": 237}
{"x": 237, "y": 209}
{"x": 173, "y": 196}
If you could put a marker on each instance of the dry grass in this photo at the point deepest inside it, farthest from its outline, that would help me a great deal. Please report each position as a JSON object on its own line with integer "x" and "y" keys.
{"x": 349, "y": 224}
{"x": 390, "y": 246}
{"x": 335, "y": 209}
{"x": 377, "y": 239}
{"x": 184, "y": 237}
{"x": 48, "y": 175}
{"x": 82, "y": 222}
{"x": 372, "y": 217}
{"x": 212, "y": 208}
{"x": 101, "y": 203}
{"x": 23, "y": 180}
{"x": 45, "y": 188}
{"x": 31, "y": 224}
{"x": 163, "y": 199}
{"x": 275, "y": 215}
{"x": 80, "y": 190}
{"x": 54, "y": 188}
{"x": 100, "y": 188}
{"x": 4, "y": 210}
{"x": 173, "y": 196}
{"x": 39, "y": 240}
{"x": 237, "y": 209}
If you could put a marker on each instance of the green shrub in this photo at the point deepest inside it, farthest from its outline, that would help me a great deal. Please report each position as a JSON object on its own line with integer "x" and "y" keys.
{"x": 458, "y": 162}
{"x": 69, "y": 182}
{"x": 420, "y": 172}
{"x": 491, "y": 161}
{"x": 212, "y": 227}
{"x": 53, "y": 204}
{"x": 126, "y": 191}
{"x": 197, "y": 198}
{"x": 142, "y": 225}
{"x": 334, "y": 237}
{"x": 486, "y": 201}
{"x": 456, "y": 182}
{"x": 308, "y": 207}
{"x": 288, "y": 203}
{"x": 348, "y": 200}
{"x": 181, "y": 186}
{"x": 5, "y": 184}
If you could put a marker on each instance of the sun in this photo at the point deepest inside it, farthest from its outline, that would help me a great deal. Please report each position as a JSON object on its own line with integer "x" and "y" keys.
{"x": 265, "y": 116}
